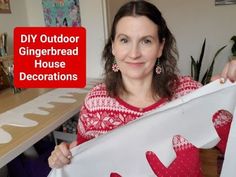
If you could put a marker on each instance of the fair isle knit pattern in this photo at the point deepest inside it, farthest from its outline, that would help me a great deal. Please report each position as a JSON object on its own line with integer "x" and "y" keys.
{"x": 102, "y": 113}
{"x": 222, "y": 118}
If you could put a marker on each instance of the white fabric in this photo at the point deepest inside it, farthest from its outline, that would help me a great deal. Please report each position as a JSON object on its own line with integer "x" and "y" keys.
{"x": 229, "y": 165}
{"x": 123, "y": 149}
{"x": 16, "y": 116}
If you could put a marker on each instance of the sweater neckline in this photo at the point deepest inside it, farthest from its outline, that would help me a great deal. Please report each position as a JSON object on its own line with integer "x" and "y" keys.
{"x": 145, "y": 109}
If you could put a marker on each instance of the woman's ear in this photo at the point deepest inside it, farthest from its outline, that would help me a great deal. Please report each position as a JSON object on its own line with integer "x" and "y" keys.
{"x": 112, "y": 48}
{"x": 161, "y": 47}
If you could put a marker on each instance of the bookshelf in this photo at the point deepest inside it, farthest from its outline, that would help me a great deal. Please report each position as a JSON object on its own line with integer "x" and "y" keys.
{"x": 5, "y": 63}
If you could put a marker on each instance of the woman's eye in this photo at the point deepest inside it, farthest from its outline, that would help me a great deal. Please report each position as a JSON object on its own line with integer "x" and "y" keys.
{"x": 124, "y": 40}
{"x": 147, "y": 41}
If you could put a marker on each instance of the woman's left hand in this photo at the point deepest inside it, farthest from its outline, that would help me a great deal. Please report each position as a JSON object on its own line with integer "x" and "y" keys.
{"x": 229, "y": 72}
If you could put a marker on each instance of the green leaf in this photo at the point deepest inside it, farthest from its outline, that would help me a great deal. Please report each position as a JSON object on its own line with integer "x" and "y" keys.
{"x": 207, "y": 76}
{"x": 209, "y": 73}
{"x": 193, "y": 68}
{"x": 196, "y": 65}
{"x": 204, "y": 78}
{"x": 233, "y": 49}
{"x": 199, "y": 65}
{"x": 218, "y": 51}
{"x": 233, "y": 38}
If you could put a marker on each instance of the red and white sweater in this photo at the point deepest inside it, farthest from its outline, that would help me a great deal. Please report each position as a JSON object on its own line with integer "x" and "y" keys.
{"x": 102, "y": 113}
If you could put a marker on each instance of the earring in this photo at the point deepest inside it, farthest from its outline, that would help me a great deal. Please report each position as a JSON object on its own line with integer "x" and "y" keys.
{"x": 158, "y": 67}
{"x": 115, "y": 67}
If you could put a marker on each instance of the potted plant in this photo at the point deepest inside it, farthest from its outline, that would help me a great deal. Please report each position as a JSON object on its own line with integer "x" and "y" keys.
{"x": 233, "y": 49}
{"x": 197, "y": 64}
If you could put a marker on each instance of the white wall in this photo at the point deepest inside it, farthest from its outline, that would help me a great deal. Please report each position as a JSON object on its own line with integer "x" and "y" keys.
{"x": 112, "y": 8}
{"x": 92, "y": 19}
{"x": 190, "y": 21}
{"x": 34, "y": 13}
{"x": 29, "y": 13}
{"x": 193, "y": 20}
{"x": 8, "y": 22}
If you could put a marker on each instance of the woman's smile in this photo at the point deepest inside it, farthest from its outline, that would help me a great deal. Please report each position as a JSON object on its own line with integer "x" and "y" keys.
{"x": 135, "y": 64}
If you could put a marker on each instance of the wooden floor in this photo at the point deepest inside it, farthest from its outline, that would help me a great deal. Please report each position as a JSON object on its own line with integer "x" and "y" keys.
{"x": 209, "y": 162}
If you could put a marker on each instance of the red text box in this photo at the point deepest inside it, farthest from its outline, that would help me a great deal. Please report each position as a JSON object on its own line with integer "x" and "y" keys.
{"x": 49, "y": 57}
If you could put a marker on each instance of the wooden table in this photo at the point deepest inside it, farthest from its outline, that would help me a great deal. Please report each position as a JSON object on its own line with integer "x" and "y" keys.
{"x": 23, "y": 138}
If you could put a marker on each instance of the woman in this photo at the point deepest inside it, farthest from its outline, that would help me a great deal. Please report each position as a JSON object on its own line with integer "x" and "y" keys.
{"x": 141, "y": 75}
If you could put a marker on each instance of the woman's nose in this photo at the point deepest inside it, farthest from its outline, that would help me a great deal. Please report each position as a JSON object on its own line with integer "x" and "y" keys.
{"x": 134, "y": 51}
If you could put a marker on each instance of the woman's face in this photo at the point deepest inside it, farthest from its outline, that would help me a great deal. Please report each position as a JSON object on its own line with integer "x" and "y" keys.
{"x": 136, "y": 46}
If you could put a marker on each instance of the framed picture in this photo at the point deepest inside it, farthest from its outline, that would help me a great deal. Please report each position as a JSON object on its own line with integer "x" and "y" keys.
{"x": 5, "y": 6}
{"x": 61, "y": 12}
{"x": 224, "y": 2}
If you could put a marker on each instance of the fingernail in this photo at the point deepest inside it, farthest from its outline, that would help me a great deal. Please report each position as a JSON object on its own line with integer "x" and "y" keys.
{"x": 222, "y": 80}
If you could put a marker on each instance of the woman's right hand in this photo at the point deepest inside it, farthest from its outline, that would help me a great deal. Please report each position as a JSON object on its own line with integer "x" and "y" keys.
{"x": 61, "y": 155}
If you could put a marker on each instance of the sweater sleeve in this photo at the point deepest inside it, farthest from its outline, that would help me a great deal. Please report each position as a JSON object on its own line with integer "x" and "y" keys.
{"x": 82, "y": 123}
{"x": 222, "y": 120}
{"x": 81, "y": 135}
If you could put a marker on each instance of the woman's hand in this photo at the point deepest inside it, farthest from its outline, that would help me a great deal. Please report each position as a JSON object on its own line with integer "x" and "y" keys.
{"x": 61, "y": 155}
{"x": 229, "y": 72}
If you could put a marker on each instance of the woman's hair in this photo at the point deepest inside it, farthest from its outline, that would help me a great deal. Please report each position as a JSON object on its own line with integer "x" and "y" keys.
{"x": 163, "y": 84}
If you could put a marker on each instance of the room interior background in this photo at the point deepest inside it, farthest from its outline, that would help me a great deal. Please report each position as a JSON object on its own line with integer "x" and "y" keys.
{"x": 190, "y": 21}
